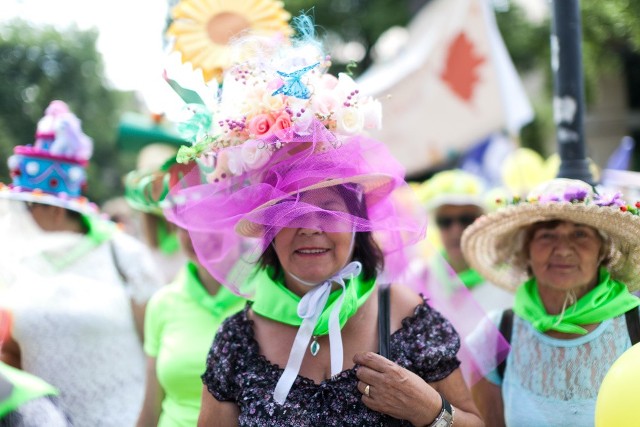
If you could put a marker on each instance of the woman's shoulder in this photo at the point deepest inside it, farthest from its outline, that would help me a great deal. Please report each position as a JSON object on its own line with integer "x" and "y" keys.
{"x": 426, "y": 343}
{"x": 409, "y": 306}
{"x": 235, "y": 329}
{"x": 411, "y": 313}
{"x": 166, "y": 296}
{"x": 404, "y": 302}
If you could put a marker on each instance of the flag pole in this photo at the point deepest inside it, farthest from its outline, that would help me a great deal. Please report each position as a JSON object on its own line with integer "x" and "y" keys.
{"x": 568, "y": 90}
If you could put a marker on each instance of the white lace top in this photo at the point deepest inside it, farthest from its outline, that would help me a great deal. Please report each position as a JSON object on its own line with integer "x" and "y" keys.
{"x": 75, "y": 327}
{"x": 555, "y": 382}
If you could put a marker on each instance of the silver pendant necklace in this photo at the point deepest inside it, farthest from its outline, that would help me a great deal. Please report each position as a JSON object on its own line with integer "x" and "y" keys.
{"x": 314, "y": 348}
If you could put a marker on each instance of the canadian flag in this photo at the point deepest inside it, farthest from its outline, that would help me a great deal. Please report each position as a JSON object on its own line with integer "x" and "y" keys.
{"x": 452, "y": 85}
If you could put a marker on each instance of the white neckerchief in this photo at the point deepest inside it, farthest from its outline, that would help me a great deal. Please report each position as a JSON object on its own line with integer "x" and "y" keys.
{"x": 309, "y": 309}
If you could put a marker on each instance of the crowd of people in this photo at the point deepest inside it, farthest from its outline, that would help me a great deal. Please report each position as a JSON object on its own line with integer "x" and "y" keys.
{"x": 292, "y": 298}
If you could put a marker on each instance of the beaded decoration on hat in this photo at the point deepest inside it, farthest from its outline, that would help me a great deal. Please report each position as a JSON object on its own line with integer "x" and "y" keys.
{"x": 53, "y": 170}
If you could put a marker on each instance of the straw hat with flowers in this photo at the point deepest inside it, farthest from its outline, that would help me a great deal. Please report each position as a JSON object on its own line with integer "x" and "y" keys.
{"x": 492, "y": 244}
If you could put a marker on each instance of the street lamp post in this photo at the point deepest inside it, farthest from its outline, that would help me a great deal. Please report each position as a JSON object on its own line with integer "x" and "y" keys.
{"x": 568, "y": 90}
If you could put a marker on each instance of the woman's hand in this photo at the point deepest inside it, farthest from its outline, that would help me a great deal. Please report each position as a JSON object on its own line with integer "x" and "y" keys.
{"x": 395, "y": 391}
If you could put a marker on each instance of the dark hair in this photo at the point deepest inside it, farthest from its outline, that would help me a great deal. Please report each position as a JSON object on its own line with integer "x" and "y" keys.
{"x": 365, "y": 248}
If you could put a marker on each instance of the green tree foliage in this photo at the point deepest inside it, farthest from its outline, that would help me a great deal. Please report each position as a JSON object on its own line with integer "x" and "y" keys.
{"x": 40, "y": 64}
{"x": 354, "y": 20}
{"x": 610, "y": 29}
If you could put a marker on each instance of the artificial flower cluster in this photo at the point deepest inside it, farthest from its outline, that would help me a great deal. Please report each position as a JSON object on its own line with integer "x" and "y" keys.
{"x": 262, "y": 107}
{"x": 578, "y": 195}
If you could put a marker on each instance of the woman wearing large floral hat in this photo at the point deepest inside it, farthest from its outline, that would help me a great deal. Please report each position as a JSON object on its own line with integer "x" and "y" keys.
{"x": 295, "y": 182}
{"x": 573, "y": 256}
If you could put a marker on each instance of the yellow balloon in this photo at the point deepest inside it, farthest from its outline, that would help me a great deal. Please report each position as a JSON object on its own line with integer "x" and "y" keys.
{"x": 551, "y": 166}
{"x": 522, "y": 170}
{"x": 617, "y": 403}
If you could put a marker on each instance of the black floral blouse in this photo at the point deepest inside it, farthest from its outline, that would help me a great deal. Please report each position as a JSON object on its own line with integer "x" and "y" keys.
{"x": 426, "y": 344}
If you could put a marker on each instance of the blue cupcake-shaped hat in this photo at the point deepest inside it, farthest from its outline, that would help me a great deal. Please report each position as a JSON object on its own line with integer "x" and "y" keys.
{"x": 53, "y": 170}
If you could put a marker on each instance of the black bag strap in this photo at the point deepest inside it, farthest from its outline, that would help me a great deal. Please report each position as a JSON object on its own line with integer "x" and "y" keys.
{"x": 384, "y": 331}
{"x": 506, "y": 326}
{"x": 632, "y": 318}
{"x": 384, "y": 321}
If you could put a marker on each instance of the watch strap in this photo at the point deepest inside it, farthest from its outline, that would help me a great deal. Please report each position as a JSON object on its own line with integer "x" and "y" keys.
{"x": 445, "y": 417}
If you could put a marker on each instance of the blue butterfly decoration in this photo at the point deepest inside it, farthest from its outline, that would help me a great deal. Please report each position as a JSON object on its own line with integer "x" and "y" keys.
{"x": 293, "y": 86}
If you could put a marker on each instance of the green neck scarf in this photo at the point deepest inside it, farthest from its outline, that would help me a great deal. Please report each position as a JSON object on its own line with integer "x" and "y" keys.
{"x": 607, "y": 300}
{"x": 99, "y": 231}
{"x": 274, "y": 301}
{"x": 220, "y": 304}
{"x": 470, "y": 278}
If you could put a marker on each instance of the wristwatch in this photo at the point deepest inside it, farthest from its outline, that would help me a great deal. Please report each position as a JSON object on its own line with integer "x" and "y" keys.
{"x": 445, "y": 417}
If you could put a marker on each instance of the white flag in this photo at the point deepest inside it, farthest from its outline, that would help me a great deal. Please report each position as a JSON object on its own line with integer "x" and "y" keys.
{"x": 451, "y": 86}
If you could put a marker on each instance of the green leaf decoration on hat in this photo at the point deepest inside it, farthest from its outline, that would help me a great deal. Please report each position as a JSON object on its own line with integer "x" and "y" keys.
{"x": 187, "y": 95}
{"x": 198, "y": 124}
{"x": 187, "y": 154}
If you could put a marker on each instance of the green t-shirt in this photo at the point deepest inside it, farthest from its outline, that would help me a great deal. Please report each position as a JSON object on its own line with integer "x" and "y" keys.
{"x": 180, "y": 324}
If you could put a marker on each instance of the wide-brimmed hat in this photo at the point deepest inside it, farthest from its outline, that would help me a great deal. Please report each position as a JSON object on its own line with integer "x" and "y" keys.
{"x": 367, "y": 184}
{"x": 452, "y": 187}
{"x": 282, "y": 130}
{"x": 52, "y": 171}
{"x": 491, "y": 244}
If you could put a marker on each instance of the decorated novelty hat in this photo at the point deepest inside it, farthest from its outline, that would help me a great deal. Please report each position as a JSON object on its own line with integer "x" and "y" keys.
{"x": 148, "y": 184}
{"x": 492, "y": 242}
{"x": 146, "y": 188}
{"x": 283, "y": 136}
{"x": 451, "y": 187}
{"x": 52, "y": 171}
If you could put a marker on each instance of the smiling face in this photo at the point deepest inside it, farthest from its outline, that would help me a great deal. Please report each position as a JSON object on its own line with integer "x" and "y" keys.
{"x": 310, "y": 253}
{"x": 565, "y": 256}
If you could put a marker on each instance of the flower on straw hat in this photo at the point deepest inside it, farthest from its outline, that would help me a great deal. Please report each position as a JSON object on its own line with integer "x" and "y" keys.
{"x": 492, "y": 242}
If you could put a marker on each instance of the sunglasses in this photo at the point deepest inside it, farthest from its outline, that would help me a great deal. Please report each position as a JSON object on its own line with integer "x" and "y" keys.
{"x": 444, "y": 222}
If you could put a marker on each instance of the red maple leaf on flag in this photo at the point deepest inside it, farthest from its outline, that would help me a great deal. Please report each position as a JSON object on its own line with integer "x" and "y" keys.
{"x": 461, "y": 67}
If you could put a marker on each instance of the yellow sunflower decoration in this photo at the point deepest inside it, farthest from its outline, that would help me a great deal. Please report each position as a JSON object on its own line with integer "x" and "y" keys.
{"x": 203, "y": 29}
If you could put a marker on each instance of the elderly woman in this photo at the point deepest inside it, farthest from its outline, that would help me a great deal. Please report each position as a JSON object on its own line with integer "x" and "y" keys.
{"x": 312, "y": 202}
{"x": 573, "y": 256}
